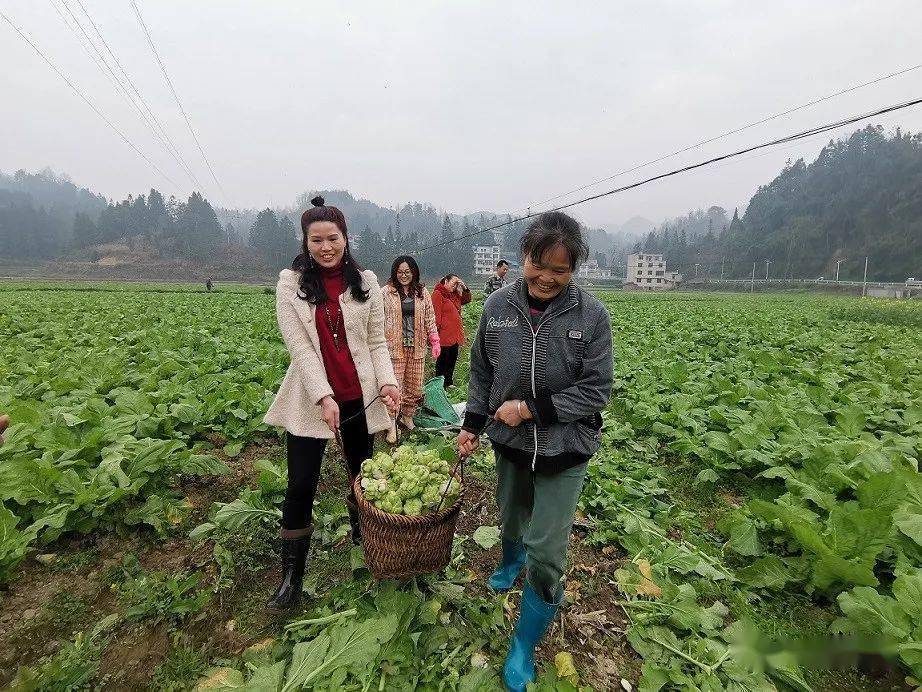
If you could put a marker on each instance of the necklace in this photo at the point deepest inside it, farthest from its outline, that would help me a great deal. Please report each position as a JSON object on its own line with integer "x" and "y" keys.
{"x": 334, "y": 328}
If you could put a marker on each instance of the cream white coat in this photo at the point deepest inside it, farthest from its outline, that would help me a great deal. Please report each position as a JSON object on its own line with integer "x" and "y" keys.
{"x": 296, "y": 406}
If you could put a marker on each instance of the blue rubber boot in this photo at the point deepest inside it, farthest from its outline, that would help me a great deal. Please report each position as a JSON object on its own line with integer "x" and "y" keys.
{"x": 508, "y": 571}
{"x": 535, "y": 616}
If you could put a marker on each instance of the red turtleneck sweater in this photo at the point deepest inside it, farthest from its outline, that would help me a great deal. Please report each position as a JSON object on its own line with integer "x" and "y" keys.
{"x": 341, "y": 372}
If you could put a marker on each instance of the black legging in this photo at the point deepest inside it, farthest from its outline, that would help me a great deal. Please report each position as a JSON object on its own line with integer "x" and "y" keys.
{"x": 445, "y": 364}
{"x": 305, "y": 455}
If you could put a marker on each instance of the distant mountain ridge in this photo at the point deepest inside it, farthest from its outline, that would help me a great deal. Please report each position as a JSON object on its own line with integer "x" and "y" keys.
{"x": 862, "y": 196}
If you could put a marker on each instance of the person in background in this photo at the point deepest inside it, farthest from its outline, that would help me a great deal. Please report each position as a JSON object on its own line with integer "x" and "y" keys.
{"x": 409, "y": 325}
{"x": 340, "y": 382}
{"x": 208, "y": 285}
{"x": 541, "y": 373}
{"x": 4, "y": 424}
{"x": 449, "y": 296}
{"x": 498, "y": 280}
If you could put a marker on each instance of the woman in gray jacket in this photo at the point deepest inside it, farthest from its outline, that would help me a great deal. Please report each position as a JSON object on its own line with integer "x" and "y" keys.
{"x": 541, "y": 373}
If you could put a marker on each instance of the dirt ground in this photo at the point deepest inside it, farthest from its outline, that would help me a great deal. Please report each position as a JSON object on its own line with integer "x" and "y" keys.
{"x": 65, "y": 588}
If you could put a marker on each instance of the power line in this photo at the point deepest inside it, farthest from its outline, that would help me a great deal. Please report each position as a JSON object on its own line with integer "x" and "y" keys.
{"x": 87, "y": 100}
{"x": 169, "y": 82}
{"x": 783, "y": 140}
{"x": 165, "y": 138}
{"x": 86, "y": 41}
{"x": 727, "y": 134}
{"x": 100, "y": 61}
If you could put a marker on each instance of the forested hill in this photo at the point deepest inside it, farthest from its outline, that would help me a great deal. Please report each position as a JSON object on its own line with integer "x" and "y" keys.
{"x": 861, "y": 197}
{"x": 37, "y": 212}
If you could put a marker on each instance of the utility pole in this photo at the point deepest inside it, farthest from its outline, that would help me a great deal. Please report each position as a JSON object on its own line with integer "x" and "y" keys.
{"x": 767, "y": 262}
{"x": 864, "y": 285}
{"x": 838, "y": 264}
{"x": 722, "y": 268}
{"x": 696, "y": 269}
{"x": 752, "y": 284}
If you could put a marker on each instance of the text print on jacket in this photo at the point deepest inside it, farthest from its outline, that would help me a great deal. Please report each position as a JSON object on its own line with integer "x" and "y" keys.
{"x": 562, "y": 369}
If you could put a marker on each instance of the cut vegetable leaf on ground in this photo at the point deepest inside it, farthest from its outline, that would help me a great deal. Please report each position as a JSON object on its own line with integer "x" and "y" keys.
{"x": 486, "y": 536}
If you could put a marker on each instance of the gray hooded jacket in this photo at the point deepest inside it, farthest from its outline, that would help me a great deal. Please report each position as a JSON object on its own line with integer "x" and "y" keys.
{"x": 562, "y": 369}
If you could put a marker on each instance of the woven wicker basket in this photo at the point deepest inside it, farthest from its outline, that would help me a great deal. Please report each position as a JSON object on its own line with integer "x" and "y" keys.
{"x": 398, "y": 546}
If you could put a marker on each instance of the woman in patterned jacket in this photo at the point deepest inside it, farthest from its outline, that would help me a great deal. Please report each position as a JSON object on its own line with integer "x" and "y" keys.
{"x": 409, "y": 326}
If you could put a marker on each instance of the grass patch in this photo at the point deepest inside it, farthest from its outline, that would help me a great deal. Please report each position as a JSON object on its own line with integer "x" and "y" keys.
{"x": 183, "y": 665}
{"x": 66, "y": 609}
{"x": 72, "y": 667}
{"x": 76, "y": 561}
{"x": 159, "y": 596}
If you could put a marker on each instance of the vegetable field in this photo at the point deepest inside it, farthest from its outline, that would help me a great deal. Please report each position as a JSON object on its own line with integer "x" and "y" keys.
{"x": 757, "y": 496}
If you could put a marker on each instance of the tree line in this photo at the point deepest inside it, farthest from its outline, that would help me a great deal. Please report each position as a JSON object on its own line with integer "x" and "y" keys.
{"x": 45, "y": 216}
{"x": 862, "y": 196}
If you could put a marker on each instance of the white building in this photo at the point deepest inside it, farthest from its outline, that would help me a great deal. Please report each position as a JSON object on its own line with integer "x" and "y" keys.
{"x": 590, "y": 269}
{"x": 485, "y": 259}
{"x": 647, "y": 272}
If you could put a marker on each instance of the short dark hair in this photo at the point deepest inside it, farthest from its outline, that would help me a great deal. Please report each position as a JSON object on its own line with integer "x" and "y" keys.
{"x": 502, "y": 263}
{"x": 550, "y": 230}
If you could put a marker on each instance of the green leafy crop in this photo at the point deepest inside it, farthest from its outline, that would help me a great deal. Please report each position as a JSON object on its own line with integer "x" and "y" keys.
{"x": 411, "y": 481}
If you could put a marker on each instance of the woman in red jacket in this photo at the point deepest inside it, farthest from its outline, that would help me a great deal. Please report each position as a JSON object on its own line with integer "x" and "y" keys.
{"x": 447, "y": 299}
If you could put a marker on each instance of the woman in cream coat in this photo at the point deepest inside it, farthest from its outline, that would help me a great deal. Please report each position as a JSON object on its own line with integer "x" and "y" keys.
{"x": 331, "y": 316}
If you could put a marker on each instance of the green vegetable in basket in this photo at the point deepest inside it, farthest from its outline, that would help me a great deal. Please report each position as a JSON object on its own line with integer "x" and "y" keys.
{"x": 410, "y": 481}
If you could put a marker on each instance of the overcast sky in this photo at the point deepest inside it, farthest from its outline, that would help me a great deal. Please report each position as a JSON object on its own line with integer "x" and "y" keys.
{"x": 466, "y": 105}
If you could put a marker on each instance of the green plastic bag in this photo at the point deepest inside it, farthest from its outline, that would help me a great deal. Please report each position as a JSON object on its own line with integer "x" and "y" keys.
{"x": 436, "y": 410}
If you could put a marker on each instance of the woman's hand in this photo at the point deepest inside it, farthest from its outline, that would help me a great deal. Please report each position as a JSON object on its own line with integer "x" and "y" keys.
{"x": 436, "y": 345}
{"x": 513, "y": 413}
{"x": 4, "y": 423}
{"x": 468, "y": 443}
{"x": 329, "y": 412}
{"x": 391, "y": 397}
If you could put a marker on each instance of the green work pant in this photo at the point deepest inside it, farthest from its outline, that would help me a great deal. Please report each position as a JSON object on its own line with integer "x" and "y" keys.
{"x": 539, "y": 509}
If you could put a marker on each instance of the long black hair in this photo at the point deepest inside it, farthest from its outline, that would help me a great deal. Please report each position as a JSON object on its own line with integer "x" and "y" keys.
{"x": 311, "y": 283}
{"x": 550, "y": 230}
{"x": 416, "y": 287}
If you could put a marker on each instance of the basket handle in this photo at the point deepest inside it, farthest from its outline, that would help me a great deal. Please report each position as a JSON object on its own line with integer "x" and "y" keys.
{"x": 458, "y": 467}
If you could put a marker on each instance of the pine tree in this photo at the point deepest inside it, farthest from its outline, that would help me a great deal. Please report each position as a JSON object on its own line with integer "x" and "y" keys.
{"x": 138, "y": 222}
{"x": 85, "y": 231}
{"x": 286, "y": 246}
{"x": 198, "y": 230}
{"x": 372, "y": 252}
{"x": 736, "y": 226}
{"x": 263, "y": 231}
{"x": 157, "y": 214}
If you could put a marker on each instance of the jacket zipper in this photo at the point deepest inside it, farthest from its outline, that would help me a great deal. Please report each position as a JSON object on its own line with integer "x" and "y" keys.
{"x": 534, "y": 351}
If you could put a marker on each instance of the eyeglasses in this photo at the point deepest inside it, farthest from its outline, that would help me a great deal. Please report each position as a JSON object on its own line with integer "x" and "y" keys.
{"x": 399, "y": 273}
